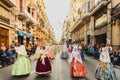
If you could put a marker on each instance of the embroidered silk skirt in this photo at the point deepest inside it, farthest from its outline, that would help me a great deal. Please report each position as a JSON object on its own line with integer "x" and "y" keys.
{"x": 43, "y": 68}
{"x": 21, "y": 66}
{"x": 108, "y": 73}
{"x": 78, "y": 69}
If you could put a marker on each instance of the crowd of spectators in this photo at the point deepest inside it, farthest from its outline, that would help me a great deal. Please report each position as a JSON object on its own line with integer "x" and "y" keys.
{"x": 8, "y": 55}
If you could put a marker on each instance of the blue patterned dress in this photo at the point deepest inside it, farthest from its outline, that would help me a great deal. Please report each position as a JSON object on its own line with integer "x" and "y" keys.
{"x": 105, "y": 69}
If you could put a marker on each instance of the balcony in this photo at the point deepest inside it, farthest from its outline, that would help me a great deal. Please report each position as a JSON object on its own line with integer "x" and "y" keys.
{"x": 10, "y": 3}
{"x": 86, "y": 17}
{"x": 4, "y": 20}
{"x": 18, "y": 25}
{"x": 76, "y": 25}
{"x": 81, "y": 21}
{"x": 30, "y": 17}
{"x": 116, "y": 11}
{"x": 99, "y": 5}
{"x": 24, "y": 14}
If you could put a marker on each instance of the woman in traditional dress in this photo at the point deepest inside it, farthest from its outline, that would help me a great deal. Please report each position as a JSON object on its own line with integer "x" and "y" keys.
{"x": 64, "y": 54}
{"x": 22, "y": 64}
{"x": 51, "y": 54}
{"x": 116, "y": 57}
{"x": 43, "y": 65}
{"x": 37, "y": 52}
{"x": 105, "y": 69}
{"x": 77, "y": 67}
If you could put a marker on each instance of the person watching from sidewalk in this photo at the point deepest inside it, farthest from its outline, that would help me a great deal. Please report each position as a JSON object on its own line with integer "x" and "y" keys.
{"x": 3, "y": 47}
{"x": 116, "y": 57}
{"x": 3, "y": 57}
{"x": 110, "y": 49}
{"x": 29, "y": 48}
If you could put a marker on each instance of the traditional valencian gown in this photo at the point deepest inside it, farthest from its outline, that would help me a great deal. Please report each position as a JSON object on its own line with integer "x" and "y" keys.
{"x": 64, "y": 54}
{"x": 51, "y": 53}
{"x": 22, "y": 64}
{"x": 77, "y": 67}
{"x": 43, "y": 65}
{"x": 37, "y": 52}
{"x": 105, "y": 69}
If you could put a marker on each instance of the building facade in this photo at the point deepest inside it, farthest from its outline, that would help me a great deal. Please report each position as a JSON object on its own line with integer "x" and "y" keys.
{"x": 23, "y": 21}
{"x": 7, "y": 16}
{"x": 44, "y": 30}
{"x": 80, "y": 29}
{"x": 99, "y": 23}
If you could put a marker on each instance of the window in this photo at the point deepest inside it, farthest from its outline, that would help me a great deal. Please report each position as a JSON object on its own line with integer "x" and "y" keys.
{"x": 97, "y": 2}
{"x": 32, "y": 14}
{"x": 28, "y": 9}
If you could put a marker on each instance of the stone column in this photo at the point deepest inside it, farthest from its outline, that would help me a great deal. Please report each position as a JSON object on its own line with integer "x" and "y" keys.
{"x": 16, "y": 37}
{"x": 92, "y": 41}
{"x": 24, "y": 29}
{"x": 109, "y": 26}
{"x": 116, "y": 34}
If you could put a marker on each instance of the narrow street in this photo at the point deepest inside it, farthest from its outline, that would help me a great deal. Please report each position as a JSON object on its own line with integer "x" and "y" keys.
{"x": 30, "y": 27}
{"x": 60, "y": 71}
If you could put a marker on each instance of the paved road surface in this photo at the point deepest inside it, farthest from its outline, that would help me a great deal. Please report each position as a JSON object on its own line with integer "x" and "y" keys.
{"x": 60, "y": 71}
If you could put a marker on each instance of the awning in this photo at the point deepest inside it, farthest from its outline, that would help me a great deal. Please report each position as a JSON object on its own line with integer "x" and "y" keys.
{"x": 20, "y": 33}
{"x": 28, "y": 36}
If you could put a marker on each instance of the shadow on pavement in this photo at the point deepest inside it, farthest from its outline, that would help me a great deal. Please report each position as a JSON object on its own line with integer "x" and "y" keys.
{"x": 78, "y": 78}
{"x": 19, "y": 77}
{"x": 42, "y": 77}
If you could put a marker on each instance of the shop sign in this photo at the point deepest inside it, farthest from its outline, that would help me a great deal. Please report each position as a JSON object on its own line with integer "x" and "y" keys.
{"x": 20, "y": 33}
{"x": 28, "y": 36}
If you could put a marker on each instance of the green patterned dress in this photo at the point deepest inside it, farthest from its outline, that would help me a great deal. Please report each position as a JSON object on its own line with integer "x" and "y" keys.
{"x": 21, "y": 66}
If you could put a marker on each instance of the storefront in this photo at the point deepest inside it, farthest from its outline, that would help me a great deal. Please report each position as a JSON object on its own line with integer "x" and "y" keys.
{"x": 101, "y": 39}
{"x": 33, "y": 40}
{"x": 88, "y": 39}
{"x": 28, "y": 38}
{"x": 20, "y": 37}
{"x": 4, "y": 36}
{"x": 4, "y": 23}
{"x": 100, "y": 28}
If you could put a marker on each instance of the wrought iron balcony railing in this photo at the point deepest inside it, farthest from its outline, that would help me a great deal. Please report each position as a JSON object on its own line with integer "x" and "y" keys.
{"x": 98, "y": 5}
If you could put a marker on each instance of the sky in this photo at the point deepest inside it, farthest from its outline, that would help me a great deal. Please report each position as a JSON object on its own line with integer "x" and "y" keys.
{"x": 57, "y": 10}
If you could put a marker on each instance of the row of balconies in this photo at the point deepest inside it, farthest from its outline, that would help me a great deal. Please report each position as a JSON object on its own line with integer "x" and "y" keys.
{"x": 100, "y": 4}
{"x": 116, "y": 11}
{"x": 86, "y": 16}
{"x": 23, "y": 15}
{"x": 10, "y": 3}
